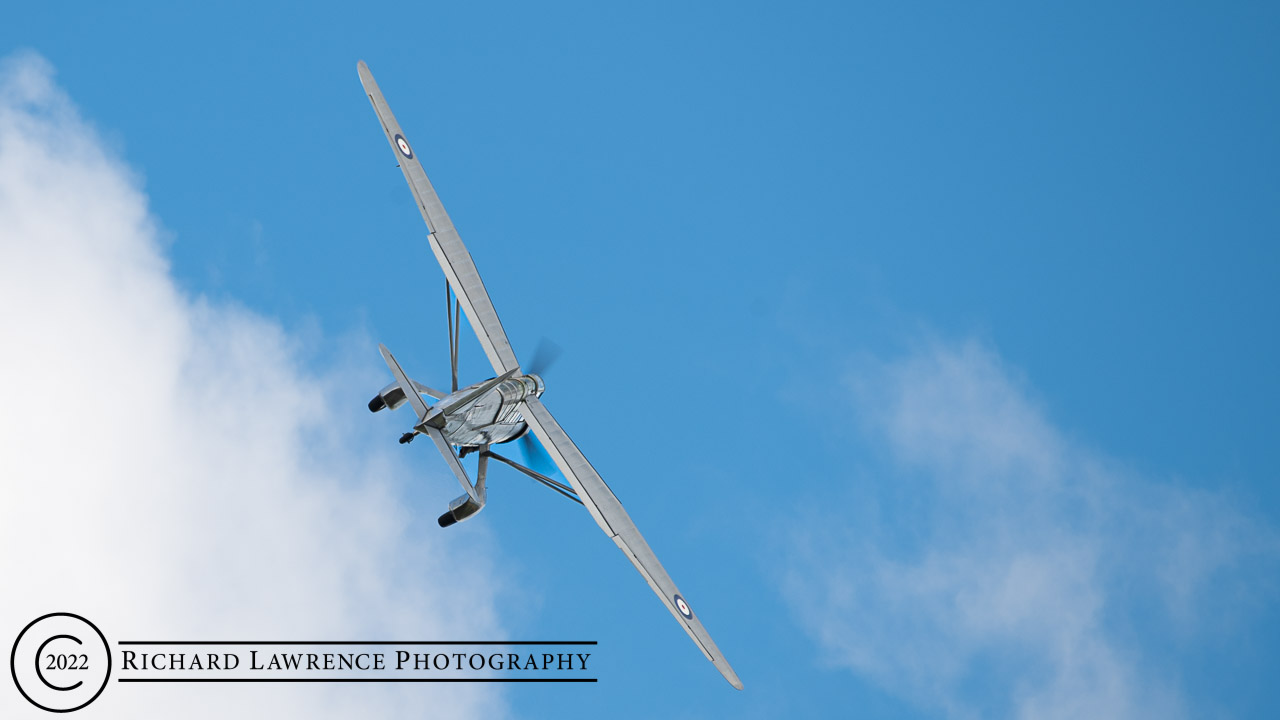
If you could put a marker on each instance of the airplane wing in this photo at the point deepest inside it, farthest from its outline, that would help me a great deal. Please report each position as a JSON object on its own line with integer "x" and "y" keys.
{"x": 463, "y": 277}
{"x": 613, "y": 519}
{"x": 453, "y": 256}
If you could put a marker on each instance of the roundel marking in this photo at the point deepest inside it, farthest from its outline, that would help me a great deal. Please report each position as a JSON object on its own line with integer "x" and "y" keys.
{"x": 403, "y": 145}
{"x": 683, "y": 607}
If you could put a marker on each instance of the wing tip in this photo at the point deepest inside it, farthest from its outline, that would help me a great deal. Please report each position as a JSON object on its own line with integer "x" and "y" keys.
{"x": 366, "y": 77}
{"x": 730, "y": 675}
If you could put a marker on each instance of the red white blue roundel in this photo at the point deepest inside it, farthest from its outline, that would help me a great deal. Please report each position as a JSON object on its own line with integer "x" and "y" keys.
{"x": 403, "y": 145}
{"x": 683, "y": 607}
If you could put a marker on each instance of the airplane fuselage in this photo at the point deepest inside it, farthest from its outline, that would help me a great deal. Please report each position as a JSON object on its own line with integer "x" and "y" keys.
{"x": 492, "y": 418}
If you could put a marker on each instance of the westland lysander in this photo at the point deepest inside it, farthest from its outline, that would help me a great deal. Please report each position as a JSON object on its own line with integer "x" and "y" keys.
{"x": 508, "y": 406}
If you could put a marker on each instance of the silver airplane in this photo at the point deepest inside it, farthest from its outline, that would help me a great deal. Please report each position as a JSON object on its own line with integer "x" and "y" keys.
{"x": 505, "y": 407}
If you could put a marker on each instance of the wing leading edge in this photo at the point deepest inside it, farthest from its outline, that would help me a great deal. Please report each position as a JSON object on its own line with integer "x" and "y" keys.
{"x": 616, "y": 523}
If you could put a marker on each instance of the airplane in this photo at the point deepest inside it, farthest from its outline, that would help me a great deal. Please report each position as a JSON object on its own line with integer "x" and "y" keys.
{"x": 508, "y": 406}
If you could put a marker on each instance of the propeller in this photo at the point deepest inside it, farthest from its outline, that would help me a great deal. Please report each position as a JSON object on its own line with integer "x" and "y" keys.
{"x": 535, "y": 456}
{"x": 544, "y": 356}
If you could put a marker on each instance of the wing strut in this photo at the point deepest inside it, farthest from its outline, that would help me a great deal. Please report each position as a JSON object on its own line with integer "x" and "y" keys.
{"x": 559, "y": 487}
{"x": 455, "y": 321}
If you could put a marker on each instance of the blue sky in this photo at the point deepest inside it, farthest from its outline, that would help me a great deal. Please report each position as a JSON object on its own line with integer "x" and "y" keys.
{"x": 932, "y": 348}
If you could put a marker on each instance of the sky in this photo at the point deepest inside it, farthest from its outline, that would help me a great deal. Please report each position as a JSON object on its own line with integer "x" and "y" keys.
{"x": 932, "y": 348}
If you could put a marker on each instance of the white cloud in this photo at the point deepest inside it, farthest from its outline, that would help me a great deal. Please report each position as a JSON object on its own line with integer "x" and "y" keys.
{"x": 999, "y": 569}
{"x": 170, "y": 469}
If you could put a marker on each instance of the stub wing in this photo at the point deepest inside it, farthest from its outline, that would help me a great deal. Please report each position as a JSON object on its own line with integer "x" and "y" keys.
{"x": 613, "y": 519}
{"x": 453, "y": 256}
{"x": 420, "y": 407}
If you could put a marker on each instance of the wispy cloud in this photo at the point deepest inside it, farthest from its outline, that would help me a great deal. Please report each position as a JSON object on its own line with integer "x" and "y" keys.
{"x": 170, "y": 468}
{"x": 1000, "y": 569}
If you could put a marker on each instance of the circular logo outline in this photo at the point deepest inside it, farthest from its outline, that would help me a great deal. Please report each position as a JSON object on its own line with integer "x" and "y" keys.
{"x": 13, "y": 661}
{"x": 403, "y": 146}
{"x": 683, "y": 606}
